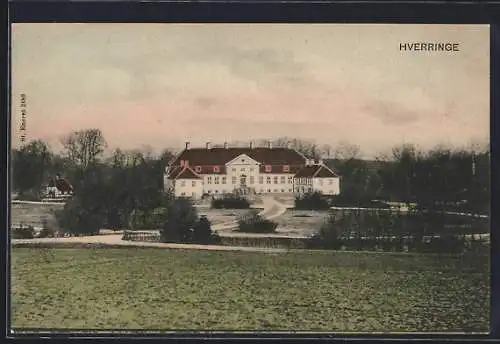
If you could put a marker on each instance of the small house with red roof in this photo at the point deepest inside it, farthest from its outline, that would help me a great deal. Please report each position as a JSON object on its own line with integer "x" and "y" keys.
{"x": 247, "y": 170}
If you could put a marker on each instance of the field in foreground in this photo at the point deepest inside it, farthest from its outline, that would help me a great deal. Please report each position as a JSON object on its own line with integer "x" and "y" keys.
{"x": 147, "y": 288}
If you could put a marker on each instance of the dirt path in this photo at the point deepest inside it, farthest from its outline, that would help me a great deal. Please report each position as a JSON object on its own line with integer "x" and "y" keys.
{"x": 272, "y": 209}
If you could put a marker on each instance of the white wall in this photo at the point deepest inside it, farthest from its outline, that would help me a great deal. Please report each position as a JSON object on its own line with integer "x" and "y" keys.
{"x": 188, "y": 188}
{"x": 327, "y": 186}
{"x": 303, "y": 185}
{"x": 279, "y": 183}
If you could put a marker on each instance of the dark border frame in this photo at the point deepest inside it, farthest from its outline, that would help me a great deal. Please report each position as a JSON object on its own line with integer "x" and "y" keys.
{"x": 430, "y": 12}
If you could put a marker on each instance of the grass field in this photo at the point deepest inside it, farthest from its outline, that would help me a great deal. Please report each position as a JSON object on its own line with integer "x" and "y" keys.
{"x": 304, "y": 222}
{"x": 147, "y": 288}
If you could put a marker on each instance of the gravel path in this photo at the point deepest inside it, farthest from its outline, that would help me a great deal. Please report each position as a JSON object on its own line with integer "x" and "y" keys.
{"x": 115, "y": 240}
{"x": 272, "y": 208}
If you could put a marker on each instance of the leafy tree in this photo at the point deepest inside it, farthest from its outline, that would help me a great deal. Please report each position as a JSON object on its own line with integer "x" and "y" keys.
{"x": 203, "y": 233}
{"x": 30, "y": 166}
{"x": 180, "y": 221}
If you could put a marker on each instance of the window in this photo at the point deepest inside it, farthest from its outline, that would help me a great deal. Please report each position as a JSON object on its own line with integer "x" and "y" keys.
{"x": 268, "y": 168}
{"x": 209, "y": 180}
{"x": 290, "y": 180}
{"x": 282, "y": 190}
{"x": 193, "y": 183}
{"x": 275, "y": 179}
{"x": 193, "y": 195}
{"x": 251, "y": 180}
{"x": 283, "y": 180}
{"x": 289, "y": 190}
{"x": 209, "y": 192}
{"x": 268, "y": 190}
{"x": 268, "y": 181}
{"x": 275, "y": 190}
{"x": 261, "y": 180}
{"x": 223, "y": 180}
{"x": 234, "y": 180}
{"x": 331, "y": 181}
{"x": 261, "y": 190}
{"x": 321, "y": 182}
{"x": 216, "y": 180}
{"x": 242, "y": 169}
{"x": 286, "y": 168}
{"x": 183, "y": 194}
{"x": 251, "y": 169}
{"x": 216, "y": 169}
{"x": 216, "y": 191}
{"x": 242, "y": 161}
{"x": 234, "y": 169}
{"x": 183, "y": 183}
{"x": 198, "y": 168}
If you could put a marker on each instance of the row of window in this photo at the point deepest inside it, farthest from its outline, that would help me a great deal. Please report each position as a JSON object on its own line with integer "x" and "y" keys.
{"x": 234, "y": 180}
{"x": 309, "y": 181}
{"x": 261, "y": 191}
{"x": 267, "y": 168}
{"x": 302, "y": 189}
{"x": 282, "y": 180}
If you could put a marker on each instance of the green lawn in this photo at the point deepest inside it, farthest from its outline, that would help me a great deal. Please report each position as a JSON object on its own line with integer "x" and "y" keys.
{"x": 147, "y": 288}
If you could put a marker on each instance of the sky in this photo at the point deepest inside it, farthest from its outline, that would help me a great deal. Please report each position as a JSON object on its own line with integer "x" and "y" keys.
{"x": 163, "y": 84}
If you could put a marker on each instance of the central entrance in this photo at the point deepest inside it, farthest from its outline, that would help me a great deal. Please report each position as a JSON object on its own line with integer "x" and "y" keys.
{"x": 243, "y": 180}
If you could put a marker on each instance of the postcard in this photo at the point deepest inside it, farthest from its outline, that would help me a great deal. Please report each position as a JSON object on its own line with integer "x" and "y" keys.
{"x": 329, "y": 178}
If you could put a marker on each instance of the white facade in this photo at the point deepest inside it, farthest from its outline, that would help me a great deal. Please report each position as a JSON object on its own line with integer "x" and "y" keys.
{"x": 327, "y": 186}
{"x": 192, "y": 188}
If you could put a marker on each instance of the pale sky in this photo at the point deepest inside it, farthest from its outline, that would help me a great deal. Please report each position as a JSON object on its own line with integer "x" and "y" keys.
{"x": 163, "y": 84}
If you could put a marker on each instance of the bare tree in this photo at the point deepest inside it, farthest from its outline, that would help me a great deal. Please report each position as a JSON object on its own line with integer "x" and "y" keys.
{"x": 346, "y": 151}
{"x": 84, "y": 147}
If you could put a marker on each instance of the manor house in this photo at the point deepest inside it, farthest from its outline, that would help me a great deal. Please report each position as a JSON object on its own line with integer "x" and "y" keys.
{"x": 197, "y": 172}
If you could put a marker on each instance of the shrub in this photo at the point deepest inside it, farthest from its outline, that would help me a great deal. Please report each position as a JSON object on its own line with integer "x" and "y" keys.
{"x": 230, "y": 202}
{"x": 254, "y": 223}
{"x": 79, "y": 218}
{"x": 48, "y": 231}
{"x": 203, "y": 234}
{"x": 23, "y": 232}
{"x": 180, "y": 221}
{"x": 329, "y": 236}
{"x": 311, "y": 201}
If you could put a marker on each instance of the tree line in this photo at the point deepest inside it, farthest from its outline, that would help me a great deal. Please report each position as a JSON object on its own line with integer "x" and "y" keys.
{"x": 125, "y": 188}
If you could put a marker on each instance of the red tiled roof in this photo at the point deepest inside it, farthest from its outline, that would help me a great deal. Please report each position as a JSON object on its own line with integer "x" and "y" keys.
{"x": 63, "y": 185}
{"x": 187, "y": 173}
{"x": 207, "y": 158}
{"x": 315, "y": 171}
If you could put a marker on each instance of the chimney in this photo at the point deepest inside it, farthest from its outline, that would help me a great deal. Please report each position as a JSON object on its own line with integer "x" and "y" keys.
{"x": 289, "y": 145}
{"x": 251, "y": 144}
{"x": 187, "y": 145}
{"x": 269, "y": 144}
{"x": 225, "y": 145}
{"x": 208, "y": 145}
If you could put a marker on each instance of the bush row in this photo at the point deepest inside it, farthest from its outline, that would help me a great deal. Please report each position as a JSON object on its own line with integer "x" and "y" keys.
{"x": 254, "y": 223}
{"x": 393, "y": 231}
{"x": 230, "y": 201}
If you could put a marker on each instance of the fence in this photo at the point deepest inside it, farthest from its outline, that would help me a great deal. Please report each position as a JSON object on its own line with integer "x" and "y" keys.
{"x": 141, "y": 236}
{"x": 265, "y": 242}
